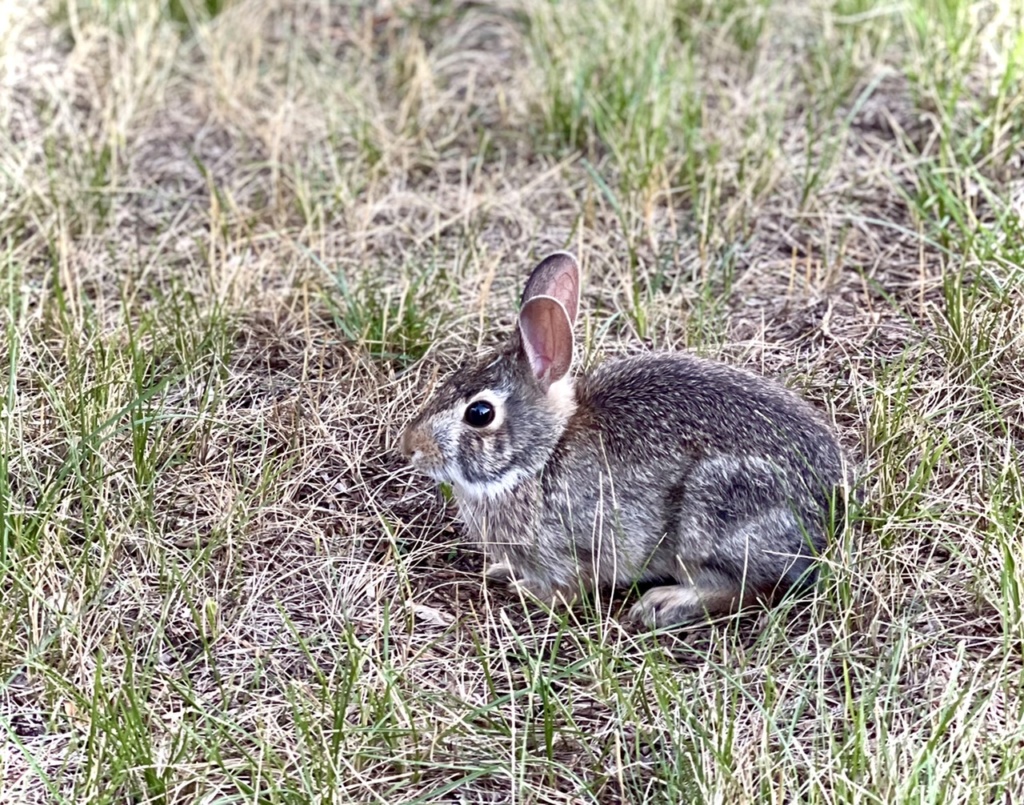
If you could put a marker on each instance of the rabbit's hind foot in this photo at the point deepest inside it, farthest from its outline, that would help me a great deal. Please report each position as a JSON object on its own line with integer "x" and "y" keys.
{"x": 678, "y": 604}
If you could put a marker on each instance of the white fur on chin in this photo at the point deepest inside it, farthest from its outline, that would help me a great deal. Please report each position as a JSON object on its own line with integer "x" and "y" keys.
{"x": 479, "y": 490}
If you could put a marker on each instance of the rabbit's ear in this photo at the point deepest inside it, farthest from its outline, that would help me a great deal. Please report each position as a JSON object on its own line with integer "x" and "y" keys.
{"x": 557, "y": 276}
{"x": 546, "y": 334}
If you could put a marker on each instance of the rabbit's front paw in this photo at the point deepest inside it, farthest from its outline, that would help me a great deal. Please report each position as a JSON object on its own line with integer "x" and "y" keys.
{"x": 499, "y": 573}
{"x": 549, "y": 593}
{"x": 545, "y": 592}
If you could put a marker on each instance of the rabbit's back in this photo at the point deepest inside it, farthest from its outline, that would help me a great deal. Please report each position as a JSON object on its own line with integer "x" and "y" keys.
{"x": 674, "y": 404}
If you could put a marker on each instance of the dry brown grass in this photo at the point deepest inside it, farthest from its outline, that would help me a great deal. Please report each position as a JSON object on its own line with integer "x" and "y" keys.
{"x": 237, "y": 250}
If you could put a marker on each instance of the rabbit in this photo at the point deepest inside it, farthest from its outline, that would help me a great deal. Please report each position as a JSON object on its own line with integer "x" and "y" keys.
{"x": 714, "y": 483}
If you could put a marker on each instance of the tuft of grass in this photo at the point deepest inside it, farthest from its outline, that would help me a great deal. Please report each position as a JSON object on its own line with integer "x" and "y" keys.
{"x": 391, "y": 324}
{"x": 625, "y": 95}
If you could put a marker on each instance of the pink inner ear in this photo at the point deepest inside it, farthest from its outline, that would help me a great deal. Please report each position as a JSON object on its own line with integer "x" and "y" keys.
{"x": 547, "y": 338}
{"x": 540, "y": 363}
{"x": 538, "y": 342}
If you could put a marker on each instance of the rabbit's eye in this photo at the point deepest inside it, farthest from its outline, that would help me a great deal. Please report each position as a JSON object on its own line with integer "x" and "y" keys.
{"x": 480, "y": 414}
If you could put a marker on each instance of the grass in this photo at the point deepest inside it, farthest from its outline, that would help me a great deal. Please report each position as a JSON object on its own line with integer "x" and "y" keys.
{"x": 240, "y": 241}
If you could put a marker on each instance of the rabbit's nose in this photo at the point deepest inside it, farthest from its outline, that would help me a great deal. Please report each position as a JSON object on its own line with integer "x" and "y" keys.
{"x": 405, "y": 444}
{"x": 411, "y": 442}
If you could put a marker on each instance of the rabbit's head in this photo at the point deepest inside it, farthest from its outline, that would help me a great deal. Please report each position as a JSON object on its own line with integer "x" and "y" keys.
{"x": 495, "y": 421}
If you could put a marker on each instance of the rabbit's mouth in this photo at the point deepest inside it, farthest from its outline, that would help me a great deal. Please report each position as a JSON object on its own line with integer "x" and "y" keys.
{"x": 428, "y": 465}
{"x": 422, "y": 465}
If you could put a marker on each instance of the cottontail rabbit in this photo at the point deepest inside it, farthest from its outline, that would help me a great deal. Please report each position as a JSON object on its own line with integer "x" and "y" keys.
{"x": 663, "y": 468}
